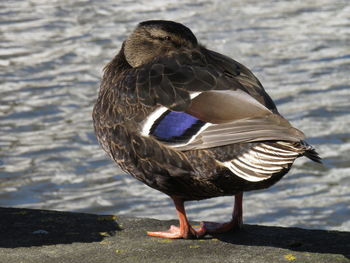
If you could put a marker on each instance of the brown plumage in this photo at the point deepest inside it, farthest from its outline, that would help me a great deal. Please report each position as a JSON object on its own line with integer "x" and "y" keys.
{"x": 191, "y": 123}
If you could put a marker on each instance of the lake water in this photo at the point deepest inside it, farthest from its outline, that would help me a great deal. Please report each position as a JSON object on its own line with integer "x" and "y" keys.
{"x": 51, "y": 58}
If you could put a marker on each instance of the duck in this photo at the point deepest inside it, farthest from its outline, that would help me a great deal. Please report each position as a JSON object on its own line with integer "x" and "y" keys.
{"x": 191, "y": 123}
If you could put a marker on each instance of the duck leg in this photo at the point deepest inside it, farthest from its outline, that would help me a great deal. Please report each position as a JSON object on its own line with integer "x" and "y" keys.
{"x": 235, "y": 223}
{"x": 185, "y": 230}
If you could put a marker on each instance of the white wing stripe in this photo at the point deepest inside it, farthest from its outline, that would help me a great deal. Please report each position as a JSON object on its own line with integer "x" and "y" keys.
{"x": 148, "y": 123}
{"x": 261, "y": 162}
{"x": 240, "y": 163}
{"x": 275, "y": 152}
{"x": 242, "y": 174}
{"x": 275, "y": 148}
{"x": 291, "y": 146}
{"x": 269, "y": 156}
{"x": 259, "y": 166}
{"x": 179, "y": 145}
{"x": 256, "y": 159}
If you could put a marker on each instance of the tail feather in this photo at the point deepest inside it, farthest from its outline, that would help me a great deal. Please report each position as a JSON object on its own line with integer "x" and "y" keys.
{"x": 311, "y": 153}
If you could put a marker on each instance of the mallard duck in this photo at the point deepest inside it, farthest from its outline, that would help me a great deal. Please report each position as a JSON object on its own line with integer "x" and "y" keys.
{"x": 191, "y": 123}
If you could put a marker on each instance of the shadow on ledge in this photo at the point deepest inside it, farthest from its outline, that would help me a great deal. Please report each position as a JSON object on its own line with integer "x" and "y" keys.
{"x": 21, "y": 227}
{"x": 33, "y": 228}
{"x": 296, "y": 239}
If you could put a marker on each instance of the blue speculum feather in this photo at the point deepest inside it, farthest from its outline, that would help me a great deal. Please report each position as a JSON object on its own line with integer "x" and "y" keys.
{"x": 175, "y": 127}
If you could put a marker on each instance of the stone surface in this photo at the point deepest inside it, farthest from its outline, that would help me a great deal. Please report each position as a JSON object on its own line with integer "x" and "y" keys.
{"x": 28, "y": 235}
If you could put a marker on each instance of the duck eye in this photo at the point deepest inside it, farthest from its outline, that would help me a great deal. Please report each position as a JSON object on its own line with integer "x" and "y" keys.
{"x": 166, "y": 38}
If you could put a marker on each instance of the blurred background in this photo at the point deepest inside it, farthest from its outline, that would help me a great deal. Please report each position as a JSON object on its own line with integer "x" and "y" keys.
{"x": 51, "y": 58}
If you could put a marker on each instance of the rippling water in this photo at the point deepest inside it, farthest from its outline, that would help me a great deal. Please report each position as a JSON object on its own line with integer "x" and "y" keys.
{"x": 51, "y": 58}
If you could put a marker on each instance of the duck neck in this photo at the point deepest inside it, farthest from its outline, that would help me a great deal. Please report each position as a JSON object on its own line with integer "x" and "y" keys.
{"x": 114, "y": 68}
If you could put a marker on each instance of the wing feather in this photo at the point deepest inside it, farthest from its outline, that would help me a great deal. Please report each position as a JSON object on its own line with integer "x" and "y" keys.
{"x": 260, "y": 162}
{"x": 189, "y": 71}
{"x": 230, "y": 98}
{"x": 236, "y": 117}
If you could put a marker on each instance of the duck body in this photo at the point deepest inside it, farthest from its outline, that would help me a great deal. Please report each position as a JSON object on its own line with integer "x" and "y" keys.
{"x": 190, "y": 122}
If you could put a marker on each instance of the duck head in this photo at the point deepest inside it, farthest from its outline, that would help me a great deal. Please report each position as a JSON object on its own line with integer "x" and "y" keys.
{"x": 156, "y": 38}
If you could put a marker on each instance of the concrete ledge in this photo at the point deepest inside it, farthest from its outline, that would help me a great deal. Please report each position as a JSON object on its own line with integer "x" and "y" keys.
{"x": 28, "y": 235}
